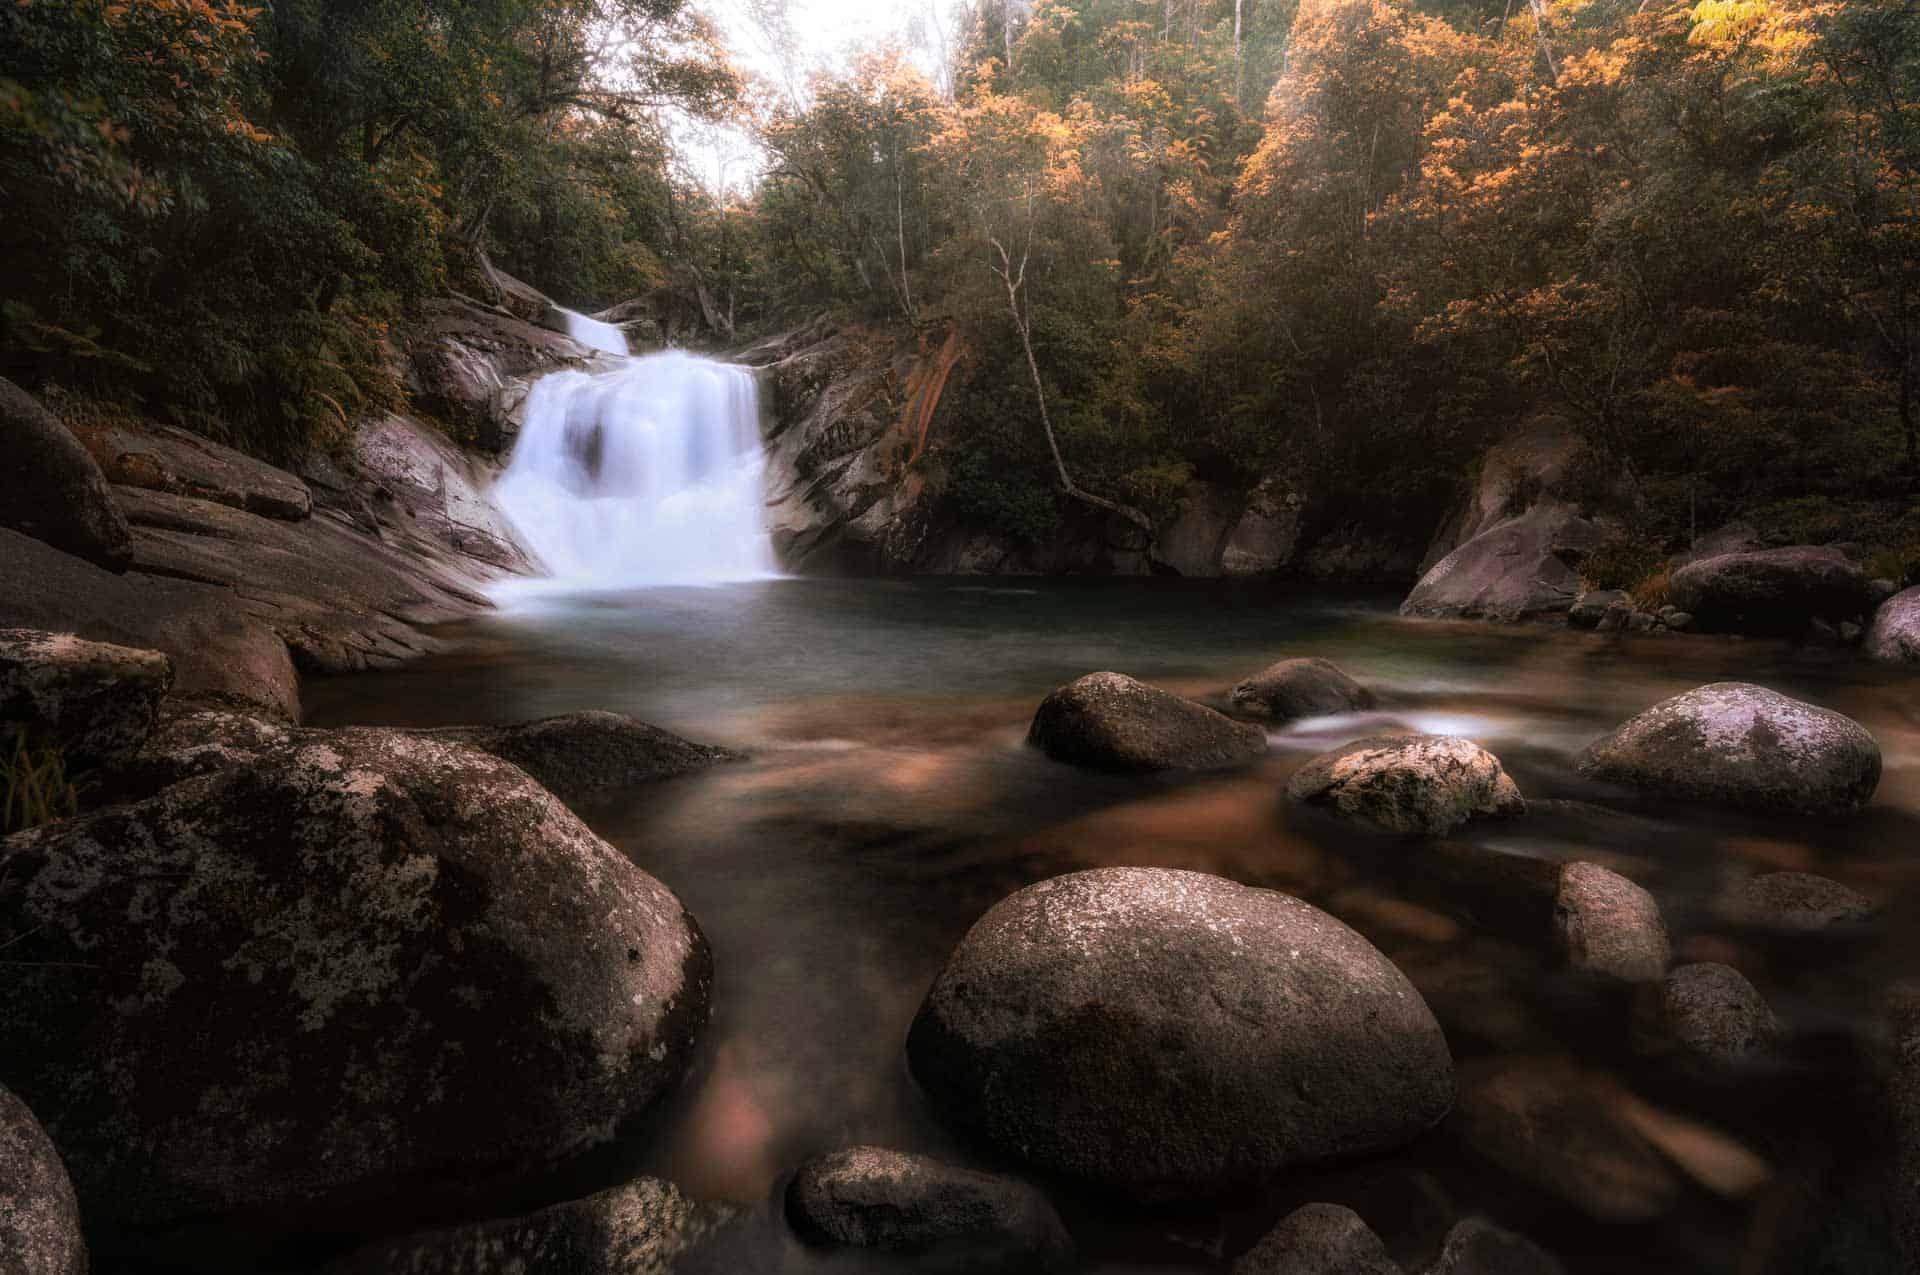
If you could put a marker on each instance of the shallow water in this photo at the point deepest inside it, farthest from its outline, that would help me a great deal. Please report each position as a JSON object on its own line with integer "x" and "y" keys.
{"x": 889, "y": 799}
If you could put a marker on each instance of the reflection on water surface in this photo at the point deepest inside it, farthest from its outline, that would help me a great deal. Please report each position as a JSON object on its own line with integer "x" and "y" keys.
{"x": 889, "y": 800}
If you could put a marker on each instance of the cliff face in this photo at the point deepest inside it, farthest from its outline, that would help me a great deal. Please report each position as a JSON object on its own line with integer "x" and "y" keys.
{"x": 849, "y": 490}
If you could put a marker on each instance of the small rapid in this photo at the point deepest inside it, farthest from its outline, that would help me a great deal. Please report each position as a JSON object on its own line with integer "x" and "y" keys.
{"x": 648, "y": 474}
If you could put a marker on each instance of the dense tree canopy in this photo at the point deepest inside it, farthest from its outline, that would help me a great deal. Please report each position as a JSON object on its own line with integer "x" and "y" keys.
{"x": 1341, "y": 243}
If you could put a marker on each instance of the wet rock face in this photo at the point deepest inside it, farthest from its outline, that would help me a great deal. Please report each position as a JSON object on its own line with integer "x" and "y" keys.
{"x": 1609, "y": 926}
{"x": 1109, "y": 721}
{"x": 39, "y": 1220}
{"x": 364, "y": 966}
{"x": 1413, "y": 785}
{"x": 52, "y": 490}
{"x": 1318, "y": 1239}
{"x": 647, "y": 1226}
{"x": 1770, "y": 590}
{"x": 1736, "y": 744}
{"x": 1478, "y": 1247}
{"x": 96, "y": 702}
{"x": 1292, "y": 689}
{"x": 871, "y": 1197}
{"x": 1173, "y": 1034}
{"x": 1894, "y": 637}
{"x": 578, "y": 756}
{"x": 1798, "y": 902}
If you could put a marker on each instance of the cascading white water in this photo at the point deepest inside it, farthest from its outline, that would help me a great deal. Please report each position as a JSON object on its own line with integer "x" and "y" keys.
{"x": 649, "y": 474}
{"x": 594, "y": 334}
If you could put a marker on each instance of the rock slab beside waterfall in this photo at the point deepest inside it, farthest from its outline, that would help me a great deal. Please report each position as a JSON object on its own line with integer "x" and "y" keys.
{"x": 368, "y": 971}
{"x": 1173, "y": 1034}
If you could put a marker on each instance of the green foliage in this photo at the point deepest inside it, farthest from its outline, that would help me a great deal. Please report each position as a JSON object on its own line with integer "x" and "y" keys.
{"x": 34, "y": 788}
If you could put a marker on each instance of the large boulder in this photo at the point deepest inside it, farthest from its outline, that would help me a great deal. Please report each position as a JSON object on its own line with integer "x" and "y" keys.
{"x": 1292, "y": 689}
{"x": 1194, "y": 541}
{"x": 1607, "y": 925}
{"x": 1267, "y": 536}
{"x": 1172, "y": 1034}
{"x": 1109, "y": 721}
{"x": 366, "y": 969}
{"x": 52, "y": 490}
{"x": 646, "y": 1227}
{"x": 1797, "y": 903}
{"x": 1514, "y": 570}
{"x": 579, "y": 756}
{"x": 1894, "y": 637}
{"x": 161, "y": 458}
{"x": 1770, "y": 590}
{"x": 1414, "y": 785}
{"x": 894, "y": 1201}
{"x": 93, "y": 701}
{"x": 1736, "y": 744}
{"x": 1318, "y": 1239}
{"x": 39, "y": 1219}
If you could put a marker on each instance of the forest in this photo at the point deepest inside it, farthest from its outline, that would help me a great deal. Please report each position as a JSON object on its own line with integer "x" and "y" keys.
{"x": 1348, "y": 242}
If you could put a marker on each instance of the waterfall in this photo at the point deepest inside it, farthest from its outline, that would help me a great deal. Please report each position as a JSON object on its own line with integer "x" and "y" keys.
{"x": 595, "y": 334}
{"x": 648, "y": 474}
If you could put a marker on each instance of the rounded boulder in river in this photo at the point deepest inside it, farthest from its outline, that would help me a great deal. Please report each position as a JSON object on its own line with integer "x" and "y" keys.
{"x": 1170, "y": 1034}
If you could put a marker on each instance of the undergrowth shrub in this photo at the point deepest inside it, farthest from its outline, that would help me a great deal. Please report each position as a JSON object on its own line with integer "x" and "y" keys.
{"x": 34, "y": 786}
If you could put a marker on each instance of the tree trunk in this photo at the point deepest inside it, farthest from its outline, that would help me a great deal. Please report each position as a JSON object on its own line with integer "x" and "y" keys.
{"x": 1543, "y": 38}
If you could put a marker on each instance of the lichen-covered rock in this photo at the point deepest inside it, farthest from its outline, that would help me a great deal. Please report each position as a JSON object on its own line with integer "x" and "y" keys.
{"x": 1770, "y": 590}
{"x": 1557, "y": 1128}
{"x": 1167, "y": 1034}
{"x": 1713, "y": 1018}
{"x": 1476, "y": 1246}
{"x": 94, "y": 701}
{"x": 1109, "y": 721}
{"x": 1292, "y": 689}
{"x": 875, "y": 1198}
{"x": 39, "y": 1220}
{"x": 366, "y": 966}
{"x": 1797, "y": 902}
{"x": 1894, "y": 637}
{"x": 1607, "y": 925}
{"x": 578, "y": 756}
{"x": 1736, "y": 744}
{"x": 1415, "y": 785}
{"x": 52, "y": 490}
{"x": 1318, "y": 1239}
{"x": 646, "y": 1227}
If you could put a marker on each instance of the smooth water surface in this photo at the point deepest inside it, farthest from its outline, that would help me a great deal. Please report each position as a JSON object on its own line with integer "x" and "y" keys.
{"x": 889, "y": 799}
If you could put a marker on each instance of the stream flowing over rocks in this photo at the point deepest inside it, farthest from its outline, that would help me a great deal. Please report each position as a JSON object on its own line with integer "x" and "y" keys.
{"x": 1169, "y": 1034}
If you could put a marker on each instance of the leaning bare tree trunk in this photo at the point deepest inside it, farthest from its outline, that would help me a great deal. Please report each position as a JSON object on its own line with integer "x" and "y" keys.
{"x": 1543, "y": 37}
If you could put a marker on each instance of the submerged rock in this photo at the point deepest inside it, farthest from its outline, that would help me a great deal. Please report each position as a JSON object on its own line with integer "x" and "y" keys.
{"x": 1737, "y": 744}
{"x": 578, "y": 756}
{"x": 1109, "y": 721}
{"x": 1292, "y": 689}
{"x": 871, "y": 1197}
{"x": 1607, "y": 925}
{"x": 1318, "y": 1239}
{"x": 1770, "y": 590}
{"x": 1416, "y": 785}
{"x": 366, "y": 967}
{"x": 1476, "y": 1246}
{"x": 52, "y": 490}
{"x": 1797, "y": 902}
{"x": 39, "y": 1219}
{"x": 1555, "y": 1127}
{"x": 1173, "y": 1034}
{"x": 94, "y": 701}
{"x": 646, "y": 1227}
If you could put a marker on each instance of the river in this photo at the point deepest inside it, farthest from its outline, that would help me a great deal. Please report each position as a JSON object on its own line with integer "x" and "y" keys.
{"x": 889, "y": 798}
